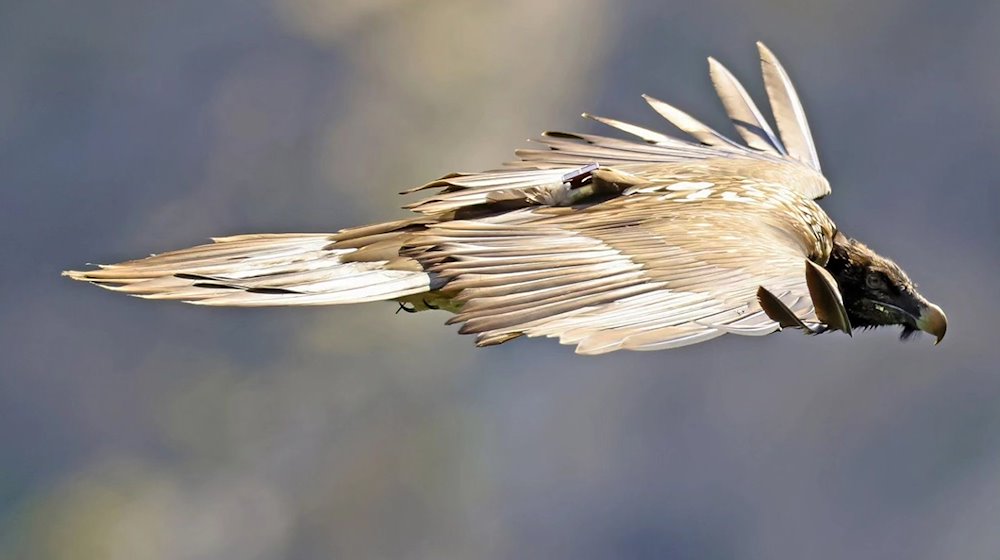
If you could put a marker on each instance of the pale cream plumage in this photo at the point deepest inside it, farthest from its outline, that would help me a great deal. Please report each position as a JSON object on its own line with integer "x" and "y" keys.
{"x": 601, "y": 242}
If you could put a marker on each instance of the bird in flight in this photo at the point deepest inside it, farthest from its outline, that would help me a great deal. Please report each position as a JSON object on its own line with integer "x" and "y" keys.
{"x": 646, "y": 243}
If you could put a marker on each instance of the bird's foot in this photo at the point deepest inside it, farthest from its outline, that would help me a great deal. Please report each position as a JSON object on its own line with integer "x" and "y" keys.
{"x": 578, "y": 177}
{"x": 403, "y": 307}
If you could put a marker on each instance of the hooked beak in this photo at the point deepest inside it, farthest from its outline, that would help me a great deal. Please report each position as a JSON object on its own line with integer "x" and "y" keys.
{"x": 932, "y": 320}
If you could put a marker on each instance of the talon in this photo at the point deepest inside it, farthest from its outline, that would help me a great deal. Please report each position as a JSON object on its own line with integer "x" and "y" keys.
{"x": 578, "y": 177}
{"x": 429, "y": 306}
{"x": 403, "y": 307}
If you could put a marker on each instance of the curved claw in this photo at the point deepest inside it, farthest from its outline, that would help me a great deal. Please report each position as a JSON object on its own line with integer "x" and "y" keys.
{"x": 403, "y": 307}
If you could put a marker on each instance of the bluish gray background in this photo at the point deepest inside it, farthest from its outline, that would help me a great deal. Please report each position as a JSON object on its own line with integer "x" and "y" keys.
{"x": 134, "y": 429}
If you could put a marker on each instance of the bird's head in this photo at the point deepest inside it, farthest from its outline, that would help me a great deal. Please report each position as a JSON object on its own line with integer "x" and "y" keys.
{"x": 877, "y": 292}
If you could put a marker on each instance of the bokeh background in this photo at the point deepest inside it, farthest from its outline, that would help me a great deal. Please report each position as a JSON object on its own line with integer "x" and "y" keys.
{"x": 134, "y": 429}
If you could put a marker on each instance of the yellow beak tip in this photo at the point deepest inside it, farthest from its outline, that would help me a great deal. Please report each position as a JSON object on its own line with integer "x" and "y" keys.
{"x": 933, "y": 321}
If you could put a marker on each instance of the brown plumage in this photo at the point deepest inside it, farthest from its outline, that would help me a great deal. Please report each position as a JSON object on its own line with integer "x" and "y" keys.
{"x": 601, "y": 242}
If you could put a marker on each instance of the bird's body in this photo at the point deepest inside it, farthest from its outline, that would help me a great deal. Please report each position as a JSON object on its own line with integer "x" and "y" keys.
{"x": 604, "y": 243}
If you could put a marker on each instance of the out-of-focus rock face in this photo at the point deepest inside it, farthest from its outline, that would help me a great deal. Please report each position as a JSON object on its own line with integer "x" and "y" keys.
{"x": 134, "y": 430}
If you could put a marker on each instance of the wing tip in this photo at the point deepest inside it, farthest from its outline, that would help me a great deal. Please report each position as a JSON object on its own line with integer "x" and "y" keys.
{"x": 786, "y": 107}
{"x": 714, "y": 65}
{"x": 826, "y": 298}
{"x": 81, "y": 275}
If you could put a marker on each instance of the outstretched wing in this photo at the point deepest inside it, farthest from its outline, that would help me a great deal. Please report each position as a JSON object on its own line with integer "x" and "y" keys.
{"x": 642, "y": 272}
{"x": 549, "y": 175}
{"x": 352, "y": 266}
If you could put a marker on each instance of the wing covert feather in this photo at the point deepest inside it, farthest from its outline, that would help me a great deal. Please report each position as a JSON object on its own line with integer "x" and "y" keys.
{"x": 646, "y": 272}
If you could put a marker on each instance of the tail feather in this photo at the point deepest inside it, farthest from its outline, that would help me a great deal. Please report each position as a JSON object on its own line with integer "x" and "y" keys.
{"x": 264, "y": 270}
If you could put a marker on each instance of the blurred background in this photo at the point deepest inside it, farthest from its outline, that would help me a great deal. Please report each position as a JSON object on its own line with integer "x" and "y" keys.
{"x": 135, "y": 429}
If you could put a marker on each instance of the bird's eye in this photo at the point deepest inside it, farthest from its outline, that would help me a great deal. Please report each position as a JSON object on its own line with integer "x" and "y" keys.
{"x": 875, "y": 281}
